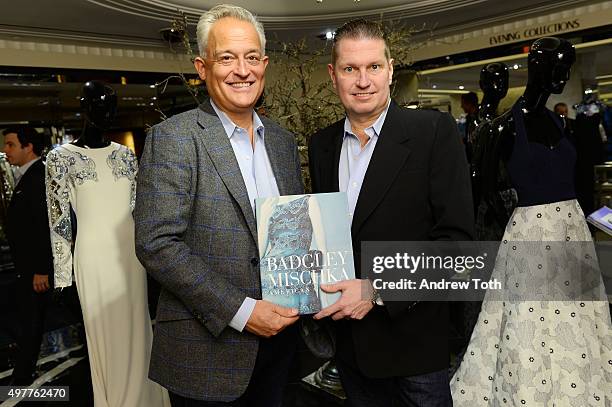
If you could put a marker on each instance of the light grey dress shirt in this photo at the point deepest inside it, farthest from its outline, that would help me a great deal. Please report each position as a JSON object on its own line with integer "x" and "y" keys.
{"x": 354, "y": 160}
{"x": 258, "y": 178}
{"x": 19, "y": 172}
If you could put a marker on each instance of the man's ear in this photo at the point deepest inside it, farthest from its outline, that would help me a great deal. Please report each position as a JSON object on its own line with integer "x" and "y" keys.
{"x": 390, "y": 71}
{"x": 200, "y": 66}
{"x": 332, "y": 74}
{"x": 28, "y": 147}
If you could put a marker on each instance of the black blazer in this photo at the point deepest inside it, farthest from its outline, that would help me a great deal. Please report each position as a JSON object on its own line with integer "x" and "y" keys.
{"x": 27, "y": 226}
{"x": 416, "y": 188}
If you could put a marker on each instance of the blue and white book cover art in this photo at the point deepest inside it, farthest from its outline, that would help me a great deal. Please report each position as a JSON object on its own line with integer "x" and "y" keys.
{"x": 602, "y": 219}
{"x": 304, "y": 241}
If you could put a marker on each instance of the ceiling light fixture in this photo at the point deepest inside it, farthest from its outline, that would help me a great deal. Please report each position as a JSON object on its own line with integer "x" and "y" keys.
{"x": 441, "y": 92}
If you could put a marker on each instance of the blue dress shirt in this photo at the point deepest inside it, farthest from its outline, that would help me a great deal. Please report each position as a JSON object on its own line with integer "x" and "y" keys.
{"x": 354, "y": 160}
{"x": 258, "y": 178}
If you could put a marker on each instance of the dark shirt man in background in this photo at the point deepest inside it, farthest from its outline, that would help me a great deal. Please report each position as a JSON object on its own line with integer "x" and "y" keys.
{"x": 562, "y": 110}
{"x": 28, "y": 235}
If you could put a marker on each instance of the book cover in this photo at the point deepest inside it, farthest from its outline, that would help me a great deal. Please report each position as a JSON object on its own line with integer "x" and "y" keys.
{"x": 602, "y": 219}
{"x": 304, "y": 241}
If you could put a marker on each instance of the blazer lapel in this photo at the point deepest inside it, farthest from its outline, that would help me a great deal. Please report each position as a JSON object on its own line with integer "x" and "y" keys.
{"x": 276, "y": 155}
{"x": 388, "y": 158}
{"x": 222, "y": 155}
{"x": 331, "y": 157}
{"x": 25, "y": 178}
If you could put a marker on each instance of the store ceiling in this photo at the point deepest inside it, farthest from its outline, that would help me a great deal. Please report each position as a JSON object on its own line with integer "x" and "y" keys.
{"x": 139, "y": 21}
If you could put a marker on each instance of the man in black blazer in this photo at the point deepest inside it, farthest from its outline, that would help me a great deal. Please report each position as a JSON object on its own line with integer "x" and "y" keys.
{"x": 27, "y": 230}
{"x": 407, "y": 179}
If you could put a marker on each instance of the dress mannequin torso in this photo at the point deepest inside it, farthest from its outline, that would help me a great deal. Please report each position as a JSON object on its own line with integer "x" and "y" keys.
{"x": 96, "y": 180}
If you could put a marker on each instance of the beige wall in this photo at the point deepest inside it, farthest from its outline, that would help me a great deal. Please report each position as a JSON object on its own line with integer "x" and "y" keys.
{"x": 40, "y": 52}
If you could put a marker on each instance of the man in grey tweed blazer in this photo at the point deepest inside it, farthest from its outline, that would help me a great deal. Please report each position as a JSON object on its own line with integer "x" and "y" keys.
{"x": 216, "y": 343}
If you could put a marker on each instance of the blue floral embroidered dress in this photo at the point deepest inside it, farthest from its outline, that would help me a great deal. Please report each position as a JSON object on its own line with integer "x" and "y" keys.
{"x": 290, "y": 233}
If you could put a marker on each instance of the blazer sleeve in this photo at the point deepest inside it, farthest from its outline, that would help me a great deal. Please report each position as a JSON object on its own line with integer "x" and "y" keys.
{"x": 58, "y": 206}
{"x": 164, "y": 197}
{"x": 449, "y": 184}
{"x": 312, "y": 164}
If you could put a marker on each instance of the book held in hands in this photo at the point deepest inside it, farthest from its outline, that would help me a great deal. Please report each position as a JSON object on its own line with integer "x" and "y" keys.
{"x": 304, "y": 241}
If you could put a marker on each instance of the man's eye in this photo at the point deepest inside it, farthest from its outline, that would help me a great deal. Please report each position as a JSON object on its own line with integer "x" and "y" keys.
{"x": 375, "y": 67}
{"x": 348, "y": 69}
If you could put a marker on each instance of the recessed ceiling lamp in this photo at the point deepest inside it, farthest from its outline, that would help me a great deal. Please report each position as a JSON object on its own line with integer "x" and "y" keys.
{"x": 461, "y": 87}
{"x": 329, "y": 35}
{"x": 172, "y": 35}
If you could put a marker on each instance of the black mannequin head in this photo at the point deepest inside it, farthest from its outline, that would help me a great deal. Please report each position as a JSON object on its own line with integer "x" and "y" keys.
{"x": 494, "y": 80}
{"x": 99, "y": 104}
{"x": 550, "y": 60}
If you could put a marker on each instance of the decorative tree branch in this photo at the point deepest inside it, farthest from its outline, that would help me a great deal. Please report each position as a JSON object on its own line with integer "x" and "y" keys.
{"x": 294, "y": 98}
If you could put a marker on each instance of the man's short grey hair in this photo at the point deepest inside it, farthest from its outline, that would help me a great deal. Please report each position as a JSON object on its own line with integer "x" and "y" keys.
{"x": 226, "y": 10}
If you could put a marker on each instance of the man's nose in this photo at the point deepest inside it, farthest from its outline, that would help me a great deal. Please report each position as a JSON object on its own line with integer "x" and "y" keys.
{"x": 241, "y": 67}
{"x": 364, "y": 80}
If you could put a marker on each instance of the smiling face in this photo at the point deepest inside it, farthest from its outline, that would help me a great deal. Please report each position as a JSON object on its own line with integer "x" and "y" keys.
{"x": 234, "y": 66}
{"x": 361, "y": 76}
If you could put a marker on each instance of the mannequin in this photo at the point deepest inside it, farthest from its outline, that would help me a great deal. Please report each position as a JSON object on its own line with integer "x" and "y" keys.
{"x": 520, "y": 349}
{"x": 550, "y": 60}
{"x": 99, "y": 105}
{"x": 494, "y": 85}
{"x": 95, "y": 179}
{"x": 549, "y": 63}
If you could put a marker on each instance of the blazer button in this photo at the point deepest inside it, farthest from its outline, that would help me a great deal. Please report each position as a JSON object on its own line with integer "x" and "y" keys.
{"x": 254, "y": 261}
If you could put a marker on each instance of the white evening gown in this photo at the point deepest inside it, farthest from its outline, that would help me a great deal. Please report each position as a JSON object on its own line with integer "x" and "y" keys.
{"x": 100, "y": 185}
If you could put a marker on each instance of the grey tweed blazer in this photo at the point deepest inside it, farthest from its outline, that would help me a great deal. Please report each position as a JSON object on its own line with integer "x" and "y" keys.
{"x": 196, "y": 235}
